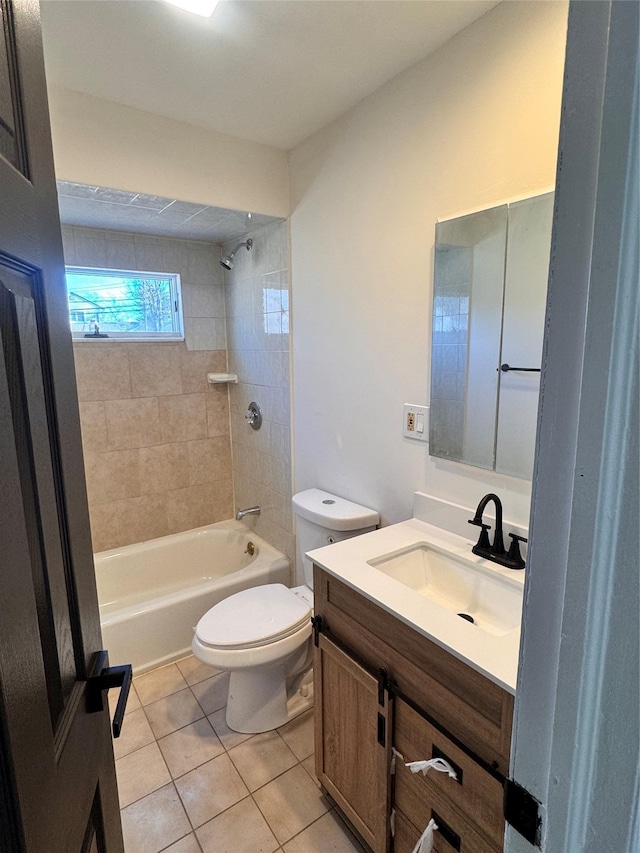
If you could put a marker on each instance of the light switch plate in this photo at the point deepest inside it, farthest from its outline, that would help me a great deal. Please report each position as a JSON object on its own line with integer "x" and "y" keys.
{"x": 415, "y": 423}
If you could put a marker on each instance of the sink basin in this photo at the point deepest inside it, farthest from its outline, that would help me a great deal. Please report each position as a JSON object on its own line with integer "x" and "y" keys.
{"x": 487, "y": 599}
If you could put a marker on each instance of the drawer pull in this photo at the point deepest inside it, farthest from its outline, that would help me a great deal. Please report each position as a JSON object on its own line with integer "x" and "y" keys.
{"x": 446, "y": 832}
{"x": 439, "y": 764}
{"x": 438, "y": 753}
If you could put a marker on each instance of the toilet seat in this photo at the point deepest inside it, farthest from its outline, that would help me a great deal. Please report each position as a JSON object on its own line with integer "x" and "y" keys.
{"x": 253, "y": 617}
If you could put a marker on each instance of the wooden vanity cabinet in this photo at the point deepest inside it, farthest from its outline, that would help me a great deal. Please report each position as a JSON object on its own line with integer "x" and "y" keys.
{"x": 434, "y": 705}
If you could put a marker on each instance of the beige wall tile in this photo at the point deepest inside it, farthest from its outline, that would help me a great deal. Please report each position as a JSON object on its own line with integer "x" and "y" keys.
{"x": 132, "y": 423}
{"x": 93, "y": 425}
{"x": 155, "y": 370}
{"x": 142, "y": 518}
{"x": 223, "y": 501}
{"x": 112, "y": 476}
{"x": 130, "y": 376}
{"x": 105, "y": 533}
{"x": 210, "y": 460}
{"x": 102, "y": 371}
{"x": 163, "y": 468}
{"x": 217, "y": 413}
{"x": 194, "y": 366}
{"x": 182, "y": 418}
{"x": 198, "y": 505}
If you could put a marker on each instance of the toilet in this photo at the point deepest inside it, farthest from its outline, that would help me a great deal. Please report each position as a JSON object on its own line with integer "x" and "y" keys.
{"x": 262, "y": 635}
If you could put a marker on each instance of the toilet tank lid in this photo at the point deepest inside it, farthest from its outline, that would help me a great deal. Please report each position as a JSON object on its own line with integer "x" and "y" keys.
{"x": 333, "y": 512}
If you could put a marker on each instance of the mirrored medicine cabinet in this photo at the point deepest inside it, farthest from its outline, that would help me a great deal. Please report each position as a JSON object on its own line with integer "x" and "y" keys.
{"x": 490, "y": 289}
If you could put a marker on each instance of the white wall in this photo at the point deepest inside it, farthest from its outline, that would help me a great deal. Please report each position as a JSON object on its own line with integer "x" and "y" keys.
{"x": 471, "y": 126}
{"x": 103, "y": 143}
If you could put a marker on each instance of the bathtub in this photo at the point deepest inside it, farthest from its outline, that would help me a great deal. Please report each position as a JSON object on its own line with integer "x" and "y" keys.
{"x": 153, "y": 593}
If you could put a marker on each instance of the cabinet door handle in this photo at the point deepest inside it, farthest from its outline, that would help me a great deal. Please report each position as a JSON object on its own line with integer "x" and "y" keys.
{"x": 446, "y": 832}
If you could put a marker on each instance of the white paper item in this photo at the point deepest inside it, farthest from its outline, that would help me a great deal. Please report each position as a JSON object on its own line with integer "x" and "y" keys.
{"x": 425, "y": 842}
{"x": 438, "y": 764}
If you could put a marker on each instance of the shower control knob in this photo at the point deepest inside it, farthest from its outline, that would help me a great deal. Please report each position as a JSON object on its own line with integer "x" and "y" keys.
{"x": 254, "y": 416}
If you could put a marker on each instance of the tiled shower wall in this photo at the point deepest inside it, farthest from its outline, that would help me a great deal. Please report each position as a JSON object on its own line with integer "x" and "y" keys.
{"x": 257, "y": 310}
{"x": 155, "y": 434}
{"x": 449, "y": 347}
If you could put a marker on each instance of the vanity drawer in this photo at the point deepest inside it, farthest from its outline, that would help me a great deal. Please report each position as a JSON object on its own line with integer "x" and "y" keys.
{"x": 476, "y": 794}
{"x": 406, "y": 837}
{"x": 416, "y": 805}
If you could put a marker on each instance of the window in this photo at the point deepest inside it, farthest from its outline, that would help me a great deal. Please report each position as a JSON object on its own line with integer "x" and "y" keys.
{"x": 124, "y": 304}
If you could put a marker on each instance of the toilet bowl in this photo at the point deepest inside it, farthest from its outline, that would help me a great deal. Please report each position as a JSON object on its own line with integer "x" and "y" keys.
{"x": 262, "y": 636}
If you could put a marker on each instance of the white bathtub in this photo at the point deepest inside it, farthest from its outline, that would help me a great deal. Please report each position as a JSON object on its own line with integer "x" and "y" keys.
{"x": 152, "y": 594}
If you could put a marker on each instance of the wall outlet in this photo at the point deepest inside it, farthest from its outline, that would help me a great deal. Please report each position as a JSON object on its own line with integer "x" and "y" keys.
{"x": 415, "y": 422}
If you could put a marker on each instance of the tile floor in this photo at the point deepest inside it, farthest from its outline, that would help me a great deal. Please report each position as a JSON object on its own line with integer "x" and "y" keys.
{"x": 188, "y": 784}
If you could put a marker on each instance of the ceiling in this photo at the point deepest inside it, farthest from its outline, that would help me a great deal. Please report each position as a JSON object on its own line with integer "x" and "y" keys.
{"x": 270, "y": 71}
{"x": 118, "y": 210}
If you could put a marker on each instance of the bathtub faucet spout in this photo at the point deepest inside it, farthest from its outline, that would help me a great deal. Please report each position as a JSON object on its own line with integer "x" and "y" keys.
{"x": 253, "y": 510}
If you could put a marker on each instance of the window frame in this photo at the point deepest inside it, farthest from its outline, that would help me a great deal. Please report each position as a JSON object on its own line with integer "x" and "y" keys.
{"x": 176, "y": 298}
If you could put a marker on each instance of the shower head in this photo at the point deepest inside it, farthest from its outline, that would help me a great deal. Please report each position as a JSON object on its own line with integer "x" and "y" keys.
{"x": 227, "y": 260}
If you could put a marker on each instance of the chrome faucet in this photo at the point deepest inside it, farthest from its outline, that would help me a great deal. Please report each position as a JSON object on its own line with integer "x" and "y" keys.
{"x": 496, "y": 551}
{"x": 252, "y": 510}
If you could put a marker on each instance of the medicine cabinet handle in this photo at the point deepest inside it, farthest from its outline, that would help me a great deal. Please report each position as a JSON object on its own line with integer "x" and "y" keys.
{"x": 505, "y": 368}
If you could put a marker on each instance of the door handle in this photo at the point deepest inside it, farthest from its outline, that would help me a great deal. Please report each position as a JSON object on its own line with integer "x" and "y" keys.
{"x": 105, "y": 677}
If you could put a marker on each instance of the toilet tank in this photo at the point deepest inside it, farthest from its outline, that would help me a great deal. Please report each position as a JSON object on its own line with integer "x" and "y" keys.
{"x": 323, "y": 518}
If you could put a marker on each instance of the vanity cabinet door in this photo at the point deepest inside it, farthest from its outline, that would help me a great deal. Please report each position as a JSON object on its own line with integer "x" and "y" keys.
{"x": 353, "y": 741}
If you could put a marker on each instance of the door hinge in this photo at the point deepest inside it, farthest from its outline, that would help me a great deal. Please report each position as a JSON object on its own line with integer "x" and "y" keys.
{"x": 522, "y": 811}
{"x": 383, "y": 680}
{"x": 385, "y": 684}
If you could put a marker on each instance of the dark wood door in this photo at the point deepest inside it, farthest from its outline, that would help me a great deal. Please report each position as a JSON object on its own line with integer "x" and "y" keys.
{"x": 57, "y": 778}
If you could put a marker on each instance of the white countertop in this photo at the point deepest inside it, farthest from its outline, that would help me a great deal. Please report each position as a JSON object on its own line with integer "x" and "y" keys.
{"x": 493, "y": 656}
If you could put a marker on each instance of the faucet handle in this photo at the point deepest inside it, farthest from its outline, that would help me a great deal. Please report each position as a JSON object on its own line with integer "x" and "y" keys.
{"x": 514, "y": 556}
{"x": 483, "y": 540}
